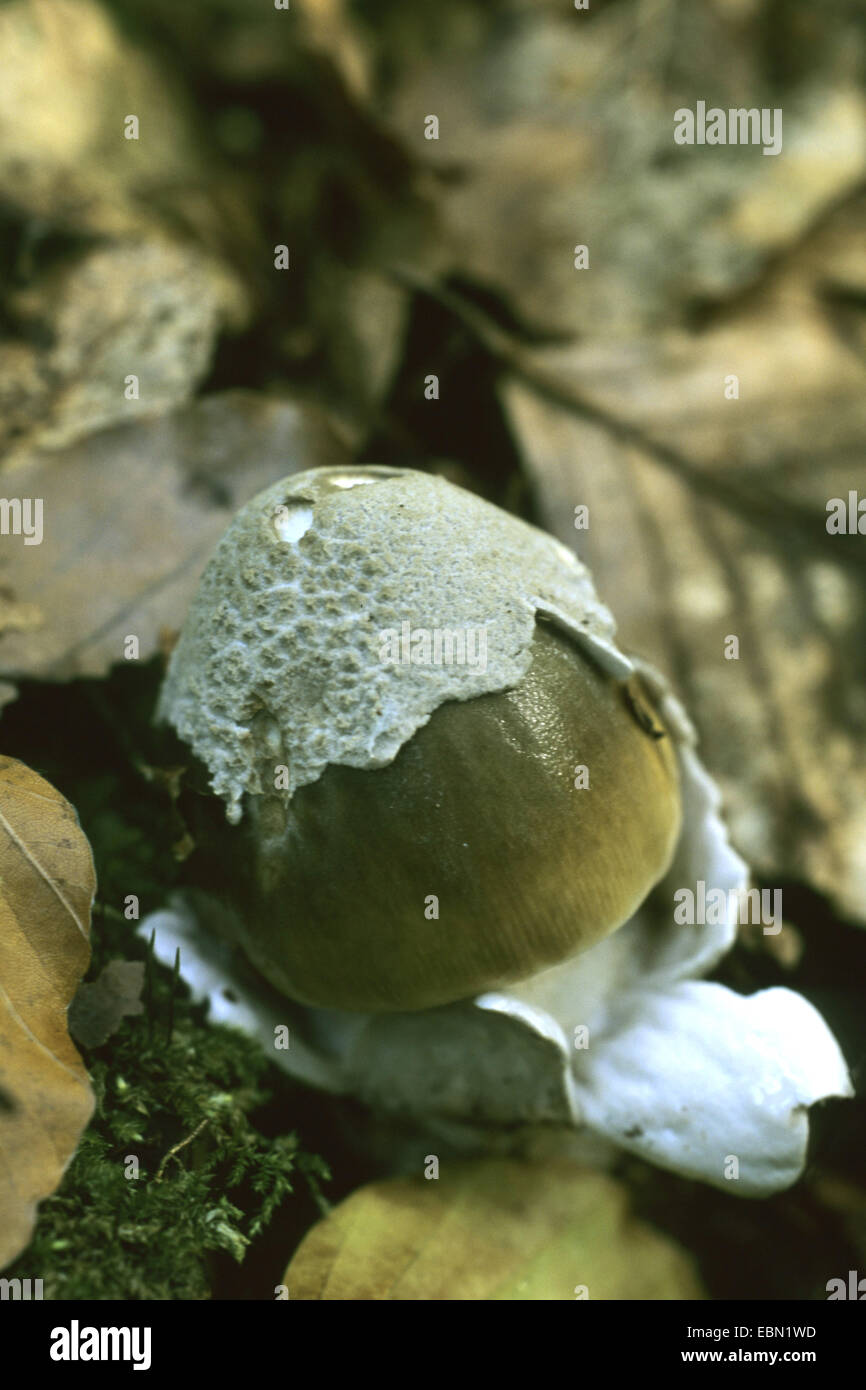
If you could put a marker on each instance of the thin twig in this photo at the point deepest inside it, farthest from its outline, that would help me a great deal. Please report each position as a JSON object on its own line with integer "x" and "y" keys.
{"x": 173, "y": 1152}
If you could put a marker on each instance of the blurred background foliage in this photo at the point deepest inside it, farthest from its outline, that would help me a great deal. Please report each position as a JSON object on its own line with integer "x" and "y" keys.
{"x": 557, "y": 387}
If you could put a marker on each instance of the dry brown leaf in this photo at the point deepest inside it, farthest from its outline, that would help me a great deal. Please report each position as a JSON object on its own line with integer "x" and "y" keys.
{"x": 556, "y": 130}
{"x": 47, "y": 884}
{"x": 99, "y": 1007}
{"x": 144, "y": 274}
{"x": 708, "y": 519}
{"x": 494, "y": 1229}
{"x": 130, "y": 518}
{"x": 150, "y": 310}
{"x": 71, "y": 79}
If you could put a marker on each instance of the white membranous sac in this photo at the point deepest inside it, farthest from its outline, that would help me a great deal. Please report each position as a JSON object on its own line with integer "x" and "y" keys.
{"x": 554, "y": 904}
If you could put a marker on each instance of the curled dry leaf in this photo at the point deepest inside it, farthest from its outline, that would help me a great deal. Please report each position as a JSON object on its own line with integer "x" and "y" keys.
{"x": 493, "y": 1229}
{"x": 47, "y": 883}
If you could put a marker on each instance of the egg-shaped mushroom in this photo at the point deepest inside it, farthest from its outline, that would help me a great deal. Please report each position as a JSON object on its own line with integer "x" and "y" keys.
{"x": 442, "y": 774}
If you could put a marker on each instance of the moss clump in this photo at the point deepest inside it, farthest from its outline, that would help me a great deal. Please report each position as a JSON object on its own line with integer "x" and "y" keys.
{"x": 177, "y": 1113}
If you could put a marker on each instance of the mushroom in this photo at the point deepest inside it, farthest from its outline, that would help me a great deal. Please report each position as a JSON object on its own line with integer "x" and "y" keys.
{"x": 391, "y": 684}
{"x": 360, "y": 782}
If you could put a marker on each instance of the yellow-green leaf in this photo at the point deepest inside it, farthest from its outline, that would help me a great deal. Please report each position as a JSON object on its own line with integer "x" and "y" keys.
{"x": 493, "y": 1229}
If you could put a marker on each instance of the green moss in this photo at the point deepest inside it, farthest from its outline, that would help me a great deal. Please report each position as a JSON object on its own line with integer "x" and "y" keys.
{"x": 177, "y": 1113}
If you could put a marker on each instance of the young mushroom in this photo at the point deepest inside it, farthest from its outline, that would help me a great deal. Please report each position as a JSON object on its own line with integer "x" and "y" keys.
{"x": 414, "y": 818}
{"x": 393, "y": 685}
